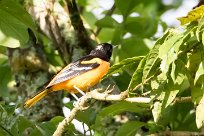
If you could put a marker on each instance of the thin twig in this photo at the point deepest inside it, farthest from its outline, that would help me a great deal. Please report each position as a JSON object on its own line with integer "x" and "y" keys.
{"x": 57, "y": 38}
{"x": 147, "y": 80}
{"x": 182, "y": 99}
{"x": 61, "y": 127}
{"x": 109, "y": 13}
{"x": 117, "y": 97}
{"x": 106, "y": 97}
{"x": 98, "y": 96}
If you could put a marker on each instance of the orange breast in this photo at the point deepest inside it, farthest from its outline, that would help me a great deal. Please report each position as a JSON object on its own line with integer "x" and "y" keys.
{"x": 85, "y": 80}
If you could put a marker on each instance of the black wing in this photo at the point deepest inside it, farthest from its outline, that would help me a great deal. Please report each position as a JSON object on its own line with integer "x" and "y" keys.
{"x": 72, "y": 70}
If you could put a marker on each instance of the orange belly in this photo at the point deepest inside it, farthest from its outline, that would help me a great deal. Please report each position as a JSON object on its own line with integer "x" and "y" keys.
{"x": 85, "y": 80}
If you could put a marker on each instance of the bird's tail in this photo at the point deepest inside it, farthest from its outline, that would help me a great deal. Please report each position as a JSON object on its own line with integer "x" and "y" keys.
{"x": 32, "y": 101}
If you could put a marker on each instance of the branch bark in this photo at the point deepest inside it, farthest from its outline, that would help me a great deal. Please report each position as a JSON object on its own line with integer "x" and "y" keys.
{"x": 98, "y": 96}
{"x": 30, "y": 69}
{"x": 84, "y": 40}
{"x": 123, "y": 96}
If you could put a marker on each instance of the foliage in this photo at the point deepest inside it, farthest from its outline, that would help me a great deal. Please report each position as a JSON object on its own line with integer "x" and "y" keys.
{"x": 14, "y": 24}
{"x": 167, "y": 70}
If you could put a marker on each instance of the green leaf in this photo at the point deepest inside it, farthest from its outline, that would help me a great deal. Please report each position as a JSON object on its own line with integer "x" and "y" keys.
{"x": 5, "y": 77}
{"x": 56, "y": 120}
{"x": 140, "y": 26}
{"x": 118, "y": 108}
{"x": 124, "y": 63}
{"x": 126, "y": 8}
{"x": 70, "y": 105}
{"x": 9, "y": 109}
{"x": 46, "y": 128}
{"x": 14, "y": 24}
{"x": 17, "y": 11}
{"x": 88, "y": 116}
{"x": 200, "y": 29}
{"x": 131, "y": 47}
{"x": 152, "y": 58}
{"x": 7, "y": 119}
{"x": 106, "y": 34}
{"x": 178, "y": 72}
{"x": 23, "y": 124}
{"x": 156, "y": 111}
{"x": 194, "y": 62}
{"x": 137, "y": 75}
{"x": 130, "y": 128}
{"x": 203, "y": 38}
{"x": 117, "y": 35}
{"x": 171, "y": 91}
{"x": 107, "y": 21}
{"x": 199, "y": 113}
{"x": 167, "y": 46}
{"x": 13, "y": 33}
{"x": 199, "y": 72}
{"x": 90, "y": 18}
{"x": 193, "y": 15}
{"x": 3, "y": 58}
{"x": 69, "y": 129}
{"x": 36, "y": 132}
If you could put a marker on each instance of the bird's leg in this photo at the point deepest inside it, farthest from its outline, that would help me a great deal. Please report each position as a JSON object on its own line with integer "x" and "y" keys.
{"x": 108, "y": 90}
{"x": 74, "y": 95}
{"x": 79, "y": 90}
{"x": 76, "y": 104}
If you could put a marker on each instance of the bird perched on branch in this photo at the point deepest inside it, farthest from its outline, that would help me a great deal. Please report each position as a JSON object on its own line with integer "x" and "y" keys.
{"x": 79, "y": 75}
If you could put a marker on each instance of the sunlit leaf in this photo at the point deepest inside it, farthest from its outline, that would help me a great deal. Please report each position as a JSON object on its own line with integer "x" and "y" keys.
{"x": 137, "y": 75}
{"x": 152, "y": 57}
{"x": 199, "y": 113}
{"x": 178, "y": 72}
{"x": 203, "y": 38}
{"x": 14, "y": 24}
{"x": 193, "y": 15}
{"x": 194, "y": 61}
{"x": 200, "y": 29}
{"x": 199, "y": 72}
{"x": 156, "y": 111}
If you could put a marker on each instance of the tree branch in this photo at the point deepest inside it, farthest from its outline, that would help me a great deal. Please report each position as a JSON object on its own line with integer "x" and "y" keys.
{"x": 105, "y": 96}
{"x": 98, "y": 96}
{"x": 84, "y": 40}
{"x": 58, "y": 39}
{"x": 182, "y": 99}
{"x": 117, "y": 97}
{"x": 61, "y": 127}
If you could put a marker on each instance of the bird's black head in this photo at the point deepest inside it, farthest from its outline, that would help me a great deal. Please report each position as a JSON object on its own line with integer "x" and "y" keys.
{"x": 103, "y": 51}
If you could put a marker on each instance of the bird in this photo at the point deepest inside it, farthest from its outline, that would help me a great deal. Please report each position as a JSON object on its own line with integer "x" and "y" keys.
{"x": 79, "y": 75}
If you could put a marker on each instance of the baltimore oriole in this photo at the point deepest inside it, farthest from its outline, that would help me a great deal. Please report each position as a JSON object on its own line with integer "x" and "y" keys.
{"x": 82, "y": 73}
